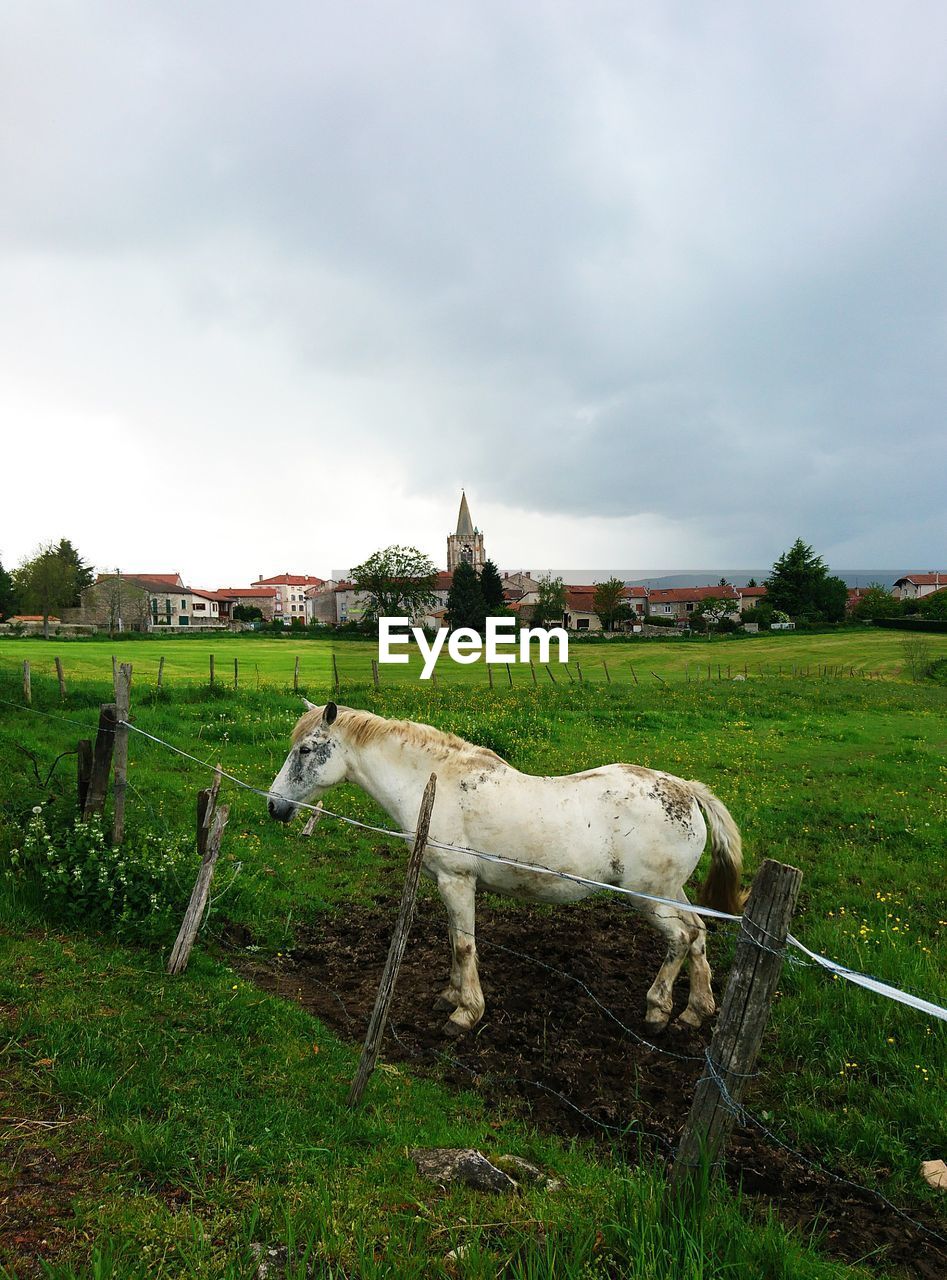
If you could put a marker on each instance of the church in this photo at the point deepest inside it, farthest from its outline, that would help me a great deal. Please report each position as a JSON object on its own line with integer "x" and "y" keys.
{"x": 466, "y": 543}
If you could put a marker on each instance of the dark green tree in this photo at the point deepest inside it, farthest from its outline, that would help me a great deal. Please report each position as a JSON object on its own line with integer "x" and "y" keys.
{"x": 465, "y": 603}
{"x": 551, "y": 604}
{"x": 397, "y": 581}
{"x": 799, "y": 584}
{"x": 84, "y": 575}
{"x": 7, "y": 594}
{"x": 491, "y": 587}
{"x": 610, "y": 604}
{"x": 752, "y": 583}
{"x": 247, "y": 613}
{"x": 46, "y": 583}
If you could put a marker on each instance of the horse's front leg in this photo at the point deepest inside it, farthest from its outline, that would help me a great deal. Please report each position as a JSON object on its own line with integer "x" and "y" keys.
{"x": 459, "y": 895}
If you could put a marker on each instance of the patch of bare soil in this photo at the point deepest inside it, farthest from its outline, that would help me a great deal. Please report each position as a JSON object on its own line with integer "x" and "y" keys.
{"x": 572, "y": 1057}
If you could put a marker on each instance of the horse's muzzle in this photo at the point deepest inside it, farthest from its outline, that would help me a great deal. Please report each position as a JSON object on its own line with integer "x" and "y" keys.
{"x": 281, "y": 810}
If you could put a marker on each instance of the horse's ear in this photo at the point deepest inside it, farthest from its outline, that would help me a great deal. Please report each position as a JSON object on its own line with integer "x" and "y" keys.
{"x": 330, "y": 713}
{"x": 310, "y": 706}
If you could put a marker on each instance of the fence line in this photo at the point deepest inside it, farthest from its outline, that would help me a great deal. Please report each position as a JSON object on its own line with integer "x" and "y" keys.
{"x": 832, "y": 966}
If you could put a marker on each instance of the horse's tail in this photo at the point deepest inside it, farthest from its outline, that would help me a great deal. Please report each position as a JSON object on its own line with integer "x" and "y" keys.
{"x": 721, "y": 889}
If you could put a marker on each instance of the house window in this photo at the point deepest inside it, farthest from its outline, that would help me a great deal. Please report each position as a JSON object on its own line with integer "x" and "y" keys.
{"x": 689, "y": 606}
{"x": 199, "y": 606}
{"x": 582, "y": 624}
{"x": 183, "y": 604}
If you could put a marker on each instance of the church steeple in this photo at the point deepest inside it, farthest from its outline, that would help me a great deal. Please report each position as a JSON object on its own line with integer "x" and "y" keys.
{"x": 467, "y": 543}
{"x": 465, "y": 527}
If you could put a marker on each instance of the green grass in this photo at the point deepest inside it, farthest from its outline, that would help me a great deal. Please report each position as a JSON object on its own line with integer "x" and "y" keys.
{"x": 203, "y": 1120}
{"x": 265, "y": 662}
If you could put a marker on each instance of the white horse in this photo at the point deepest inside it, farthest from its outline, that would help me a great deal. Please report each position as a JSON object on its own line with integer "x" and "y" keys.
{"x": 621, "y": 825}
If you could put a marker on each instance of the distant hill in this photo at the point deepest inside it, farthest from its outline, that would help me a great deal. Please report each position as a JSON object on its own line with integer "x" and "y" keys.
{"x": 665, "y": 578}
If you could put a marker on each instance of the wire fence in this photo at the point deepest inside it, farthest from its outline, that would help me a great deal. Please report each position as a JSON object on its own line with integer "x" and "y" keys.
{"x": 806, "y": 958}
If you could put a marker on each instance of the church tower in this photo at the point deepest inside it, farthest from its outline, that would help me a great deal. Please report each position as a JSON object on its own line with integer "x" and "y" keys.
{"x": 467, "y": 542}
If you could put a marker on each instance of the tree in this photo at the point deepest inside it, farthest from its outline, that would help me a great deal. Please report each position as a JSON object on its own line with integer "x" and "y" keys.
{"x": 398, "y": 582}
{"x": 799, "y": 584}
{"x": 551, "y": 604}
{"x": 752, "y": 583}
{"x": 46, "y": 583}
{"x": 247, "y": 613}
{"x": 610, "y": 603}
{"x": 7, "y": 594}
{"x": 84, "y": 575}
{"x": 491, "y": 587}
{"x": 876, "y": 601}
{"x": 465, "y": 603}
{"x": 934, "y": 605}
{"x": 713, "y": 609}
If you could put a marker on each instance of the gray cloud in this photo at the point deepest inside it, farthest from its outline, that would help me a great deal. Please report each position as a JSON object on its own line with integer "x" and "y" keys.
{"x": 597, "y": 260}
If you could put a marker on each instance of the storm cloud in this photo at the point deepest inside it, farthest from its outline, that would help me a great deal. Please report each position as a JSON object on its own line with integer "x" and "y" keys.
{"x": 658, "y": 284}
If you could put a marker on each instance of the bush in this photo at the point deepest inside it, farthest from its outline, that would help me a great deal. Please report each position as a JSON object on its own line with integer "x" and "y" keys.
{"x": 138, "y": 890}
{"x": 654, "y": 621}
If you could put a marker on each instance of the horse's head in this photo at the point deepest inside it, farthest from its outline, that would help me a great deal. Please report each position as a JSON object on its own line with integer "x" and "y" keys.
{"x": 314, "y": 764}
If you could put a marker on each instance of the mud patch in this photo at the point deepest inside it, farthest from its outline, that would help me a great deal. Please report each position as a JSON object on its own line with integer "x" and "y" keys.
{"x": 552, "y": 1049}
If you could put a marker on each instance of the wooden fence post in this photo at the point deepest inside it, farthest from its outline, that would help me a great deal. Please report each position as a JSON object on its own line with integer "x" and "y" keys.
{"x": 123, "y": 686}
{"x": 634, "y": 675}
{"x": 757, "y": 962}
{"x": 335, "y": 675}
{"x": 489, "y": 668}
{"x": 314, "y": 817}
{"x": 386, "y": 988}
{"x": 532, "y": 670}
{"x": 236, "y": 673}
{"x": 605, "y": 669}
{"x": 61, "y": 678}
{"x": 212, "y": 671}
{"x": 101, "y": 761}
{"x": 160, "y": 672}
{"x": 296, "y": 675}
{"x": 550, "y": 675}
{"x": 579, "y": 671}
{"x": 375, "y": 672}
{"x": 83, "y": 769}
{"x": 509, "y": 673}
{"x": 27, "y": 685}
{"x": 114, "y": 673}
{"x": 211, "y": 823}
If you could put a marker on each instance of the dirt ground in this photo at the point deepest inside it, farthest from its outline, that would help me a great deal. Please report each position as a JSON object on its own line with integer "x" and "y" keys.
{"x": 571, "y": 1057}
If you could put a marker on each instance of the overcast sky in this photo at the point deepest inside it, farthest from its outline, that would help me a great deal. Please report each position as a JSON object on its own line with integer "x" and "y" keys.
{"x": 660, "y": 284}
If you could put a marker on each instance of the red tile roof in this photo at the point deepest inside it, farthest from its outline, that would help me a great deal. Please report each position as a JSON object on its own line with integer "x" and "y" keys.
{"x": 671, "y": 595}
{"x": 158, "y": 579}
{"x": 234, "y": 593}
{"x": 936, "y": 579}
{"x": 290, "y": 580}
{"x": 756, "y": 592}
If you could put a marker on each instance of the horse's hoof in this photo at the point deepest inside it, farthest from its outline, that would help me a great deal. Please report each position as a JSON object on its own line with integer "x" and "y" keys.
{"x": 688, "y": 1021}
{"x": 656, "y": 1021}
{"x": 453, "y": 1030}
{"x": 444, "y": 1005}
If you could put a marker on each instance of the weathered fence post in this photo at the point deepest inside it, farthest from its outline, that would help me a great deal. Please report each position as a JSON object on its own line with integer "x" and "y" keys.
{"x": 27, "y": 685}
{"x": 236, "y": 673}
{"x": 335, "y": 674}
{"x": 657, "y": 677}
{"x": 550, "y": 675}
{"x": 160, "y": 672}
{"x": 212, "y": 671}
{"x": 489, "y": 673}
{"x": 532, "y": 671}
{"x": 114, "y": 673}
{"x": 61, "y": 678}
{"x": 123, "y": 684}
{"x": 634, "y": 675}
{"x": 296, "y": 675}
{"x": 211, "y": 821}
{"x": 386, "y": 988}
{"x": 509, "y": 673}
{"x": 757, "y": 962}
{"x": 605, "y": 669}
{"x": 375, "y": 672}
{"x": 101, "y": 761}
{"x": 314, "y": 817}
{"x": 83, "y": 769}
{"x": 579, "y": 672}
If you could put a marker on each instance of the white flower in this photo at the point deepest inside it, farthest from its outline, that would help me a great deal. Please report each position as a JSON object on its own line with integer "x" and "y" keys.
{"x": 37, "y": 808}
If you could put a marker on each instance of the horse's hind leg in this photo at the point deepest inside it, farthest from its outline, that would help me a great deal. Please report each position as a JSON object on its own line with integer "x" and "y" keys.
{"x": 449, "y": 998}
{"x": 700, "y": 1003}
{"x": 680, "y": 934}
{"x": 459, "y": 895}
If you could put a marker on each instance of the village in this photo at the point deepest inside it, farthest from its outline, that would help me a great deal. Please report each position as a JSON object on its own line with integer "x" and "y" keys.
{"x": 166, "y": 602}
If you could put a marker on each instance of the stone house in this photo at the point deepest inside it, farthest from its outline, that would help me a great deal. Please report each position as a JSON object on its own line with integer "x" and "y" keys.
{"x": 915, "y": 586}
{"x": 680, "y": 603}
{"x": 290, "y": 599}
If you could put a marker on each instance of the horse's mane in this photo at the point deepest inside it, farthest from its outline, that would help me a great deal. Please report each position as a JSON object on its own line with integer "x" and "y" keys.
{"x": 363, "y": 727}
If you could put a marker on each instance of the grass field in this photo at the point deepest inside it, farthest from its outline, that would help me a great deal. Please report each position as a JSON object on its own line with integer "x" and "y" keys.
{"x": 195, "y": 1117}
{"x": 269, "y": 663}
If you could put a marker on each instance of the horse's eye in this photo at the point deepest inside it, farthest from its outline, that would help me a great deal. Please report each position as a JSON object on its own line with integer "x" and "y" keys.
{"x": 304, "y": 751}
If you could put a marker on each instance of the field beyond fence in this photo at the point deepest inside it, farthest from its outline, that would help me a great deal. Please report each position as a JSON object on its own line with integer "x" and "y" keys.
{"x": 224, "y": 1106}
